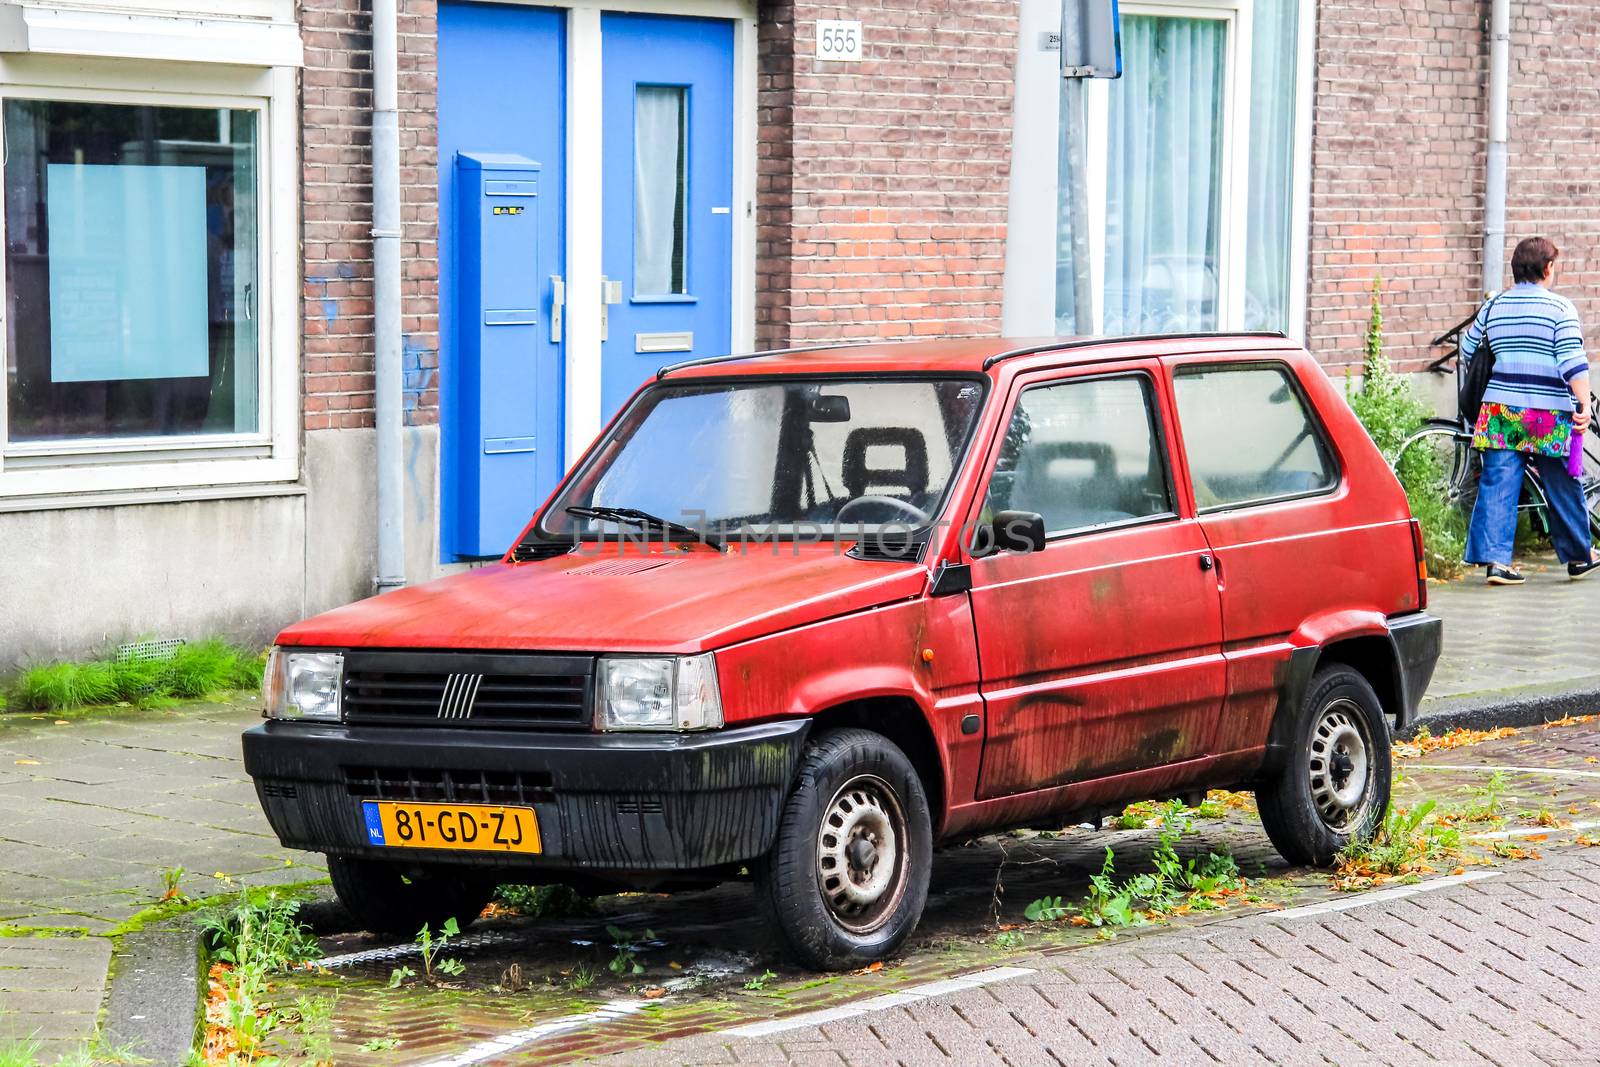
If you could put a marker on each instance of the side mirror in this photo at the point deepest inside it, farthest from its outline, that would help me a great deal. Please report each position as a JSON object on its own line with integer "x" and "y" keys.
{"x": 1017, "y": 531}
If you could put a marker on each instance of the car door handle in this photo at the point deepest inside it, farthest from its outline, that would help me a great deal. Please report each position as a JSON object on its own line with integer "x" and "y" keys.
{"x": 1206, "y": 562}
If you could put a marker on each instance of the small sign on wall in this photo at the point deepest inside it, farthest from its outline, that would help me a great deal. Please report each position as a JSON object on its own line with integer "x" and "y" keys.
{"x": 839, "y": 40}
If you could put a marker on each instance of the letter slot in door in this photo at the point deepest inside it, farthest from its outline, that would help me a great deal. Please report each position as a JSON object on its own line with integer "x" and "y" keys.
{"x": 506, "y": 409}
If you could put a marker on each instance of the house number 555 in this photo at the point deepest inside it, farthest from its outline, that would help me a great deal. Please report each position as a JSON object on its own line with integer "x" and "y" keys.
{"x": 838, "y": 39}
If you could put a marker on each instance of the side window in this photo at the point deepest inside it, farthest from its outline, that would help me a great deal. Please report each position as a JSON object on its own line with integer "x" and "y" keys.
{"x": 1248, "y": 437}
{"x": 1083, "y": 454}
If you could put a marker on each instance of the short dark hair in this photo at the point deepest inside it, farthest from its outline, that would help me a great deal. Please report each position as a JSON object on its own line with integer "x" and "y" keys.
{"x": 1532, "y": 259}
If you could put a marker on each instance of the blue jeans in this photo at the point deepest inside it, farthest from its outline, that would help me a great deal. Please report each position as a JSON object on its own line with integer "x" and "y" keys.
{"x": 1494, "y": 517}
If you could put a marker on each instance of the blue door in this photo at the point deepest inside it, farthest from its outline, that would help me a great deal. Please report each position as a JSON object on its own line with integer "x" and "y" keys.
{"x": 668, "y": 193}
{"x": 502, "y": 81}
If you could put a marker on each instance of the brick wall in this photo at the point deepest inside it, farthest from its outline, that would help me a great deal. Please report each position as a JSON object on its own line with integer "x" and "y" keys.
{"x": 337, "y": 154}
{"x": 1397, "y": 172}
{"x": 882, "y": 184}
{"x": 1555, "y": 144}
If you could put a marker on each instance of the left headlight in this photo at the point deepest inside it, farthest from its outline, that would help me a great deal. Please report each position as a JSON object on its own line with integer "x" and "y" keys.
{"x": 658, "y": 693}
{"x": 303, "y": 685}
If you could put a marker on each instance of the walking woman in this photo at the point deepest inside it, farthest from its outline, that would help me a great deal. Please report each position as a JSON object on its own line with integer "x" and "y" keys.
{"x": 1536, "y": 405}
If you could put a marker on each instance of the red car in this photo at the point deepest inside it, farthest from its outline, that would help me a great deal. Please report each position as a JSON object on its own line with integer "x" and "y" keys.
{"x": 807, "y": 614}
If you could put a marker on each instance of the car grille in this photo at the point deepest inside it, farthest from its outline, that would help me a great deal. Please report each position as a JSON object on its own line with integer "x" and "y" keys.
{"x": 460, "y": 787}
{"x": 467, "y": 689}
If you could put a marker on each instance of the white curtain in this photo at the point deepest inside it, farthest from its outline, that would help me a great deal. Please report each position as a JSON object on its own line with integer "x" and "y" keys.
{"x": 1274, "y": 37}
{"x": 658, "y": 184}
{"x": 1163, "y": 187}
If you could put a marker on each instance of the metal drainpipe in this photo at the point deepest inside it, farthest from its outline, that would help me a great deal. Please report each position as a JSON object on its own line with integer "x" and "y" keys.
{"x": 1494, "y": 195}
{"x": 386, "y": 295}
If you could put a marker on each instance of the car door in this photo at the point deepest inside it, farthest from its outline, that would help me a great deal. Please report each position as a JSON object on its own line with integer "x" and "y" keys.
{"x": 1101, "y": 653}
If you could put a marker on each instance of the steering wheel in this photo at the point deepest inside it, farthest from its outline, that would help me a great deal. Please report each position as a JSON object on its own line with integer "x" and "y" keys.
{"x": 916, "y": 513}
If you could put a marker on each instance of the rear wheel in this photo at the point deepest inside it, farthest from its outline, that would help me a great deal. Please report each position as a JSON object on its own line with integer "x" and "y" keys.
{"x": 847, "y": 877}
{"x": 394, "y": 898}
{"x": 1333, "y": 787}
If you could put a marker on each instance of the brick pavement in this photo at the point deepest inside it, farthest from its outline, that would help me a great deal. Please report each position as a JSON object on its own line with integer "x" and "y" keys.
{"x": 1491, "y": 972}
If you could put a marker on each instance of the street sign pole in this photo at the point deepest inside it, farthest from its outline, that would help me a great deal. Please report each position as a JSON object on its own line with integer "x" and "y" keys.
{"x": 1091, "y": 47}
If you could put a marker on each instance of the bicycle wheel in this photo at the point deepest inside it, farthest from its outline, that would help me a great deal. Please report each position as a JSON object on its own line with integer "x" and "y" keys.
{"x": 1442, "y": 453}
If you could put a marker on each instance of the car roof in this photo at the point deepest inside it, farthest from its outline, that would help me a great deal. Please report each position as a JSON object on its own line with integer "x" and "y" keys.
{"x": 969, "y": 355}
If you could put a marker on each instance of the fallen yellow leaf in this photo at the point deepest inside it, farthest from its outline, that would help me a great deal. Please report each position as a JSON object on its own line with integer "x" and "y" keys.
{"x": 27, "y": 763}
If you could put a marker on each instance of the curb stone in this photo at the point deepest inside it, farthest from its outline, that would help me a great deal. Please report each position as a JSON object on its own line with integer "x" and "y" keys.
{"x": 154, "y": 1004}
{"x": 1523, "y": 706}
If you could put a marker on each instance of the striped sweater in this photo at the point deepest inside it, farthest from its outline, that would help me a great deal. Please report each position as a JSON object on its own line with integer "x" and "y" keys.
{"x": 1538, "y": 348}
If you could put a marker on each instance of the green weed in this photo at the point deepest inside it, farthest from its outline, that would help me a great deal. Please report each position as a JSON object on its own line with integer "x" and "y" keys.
{"x": 627, "y": 944}
{"x": 759, "y": 982}
{"x": 581, "y": 978}
{"x": 544, "y": 901}
{"x": 193, "y": 671}
{"x": 1406, "y": 840}
{"x": 1175, "y": 885}
{"x": 380, "y": 1044}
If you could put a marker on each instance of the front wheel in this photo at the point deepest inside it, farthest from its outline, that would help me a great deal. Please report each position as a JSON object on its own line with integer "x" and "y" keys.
{"x": 393, "y": 898}
{"x": 1333, "y": 787}
{"x": 848, "y": 874}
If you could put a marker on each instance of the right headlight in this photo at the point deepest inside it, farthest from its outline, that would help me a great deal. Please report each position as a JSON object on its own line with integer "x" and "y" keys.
{"x": 658, "y": 693}
{"x": 303, "y": 685}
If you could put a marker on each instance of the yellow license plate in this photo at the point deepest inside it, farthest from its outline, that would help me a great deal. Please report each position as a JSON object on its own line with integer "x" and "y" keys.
{"x": 465, "y": 827}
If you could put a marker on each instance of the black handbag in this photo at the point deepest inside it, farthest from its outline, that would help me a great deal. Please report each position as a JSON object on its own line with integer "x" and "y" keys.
{"x": 1480, "y": 368}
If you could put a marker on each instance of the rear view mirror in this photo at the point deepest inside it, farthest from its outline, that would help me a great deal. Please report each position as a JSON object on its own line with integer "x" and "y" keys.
{"x": 1018, "y": 531}
{"x": 830, "y": 409}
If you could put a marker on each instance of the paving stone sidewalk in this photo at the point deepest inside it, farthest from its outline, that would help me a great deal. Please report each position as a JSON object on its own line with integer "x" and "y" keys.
{"x": 95, "y": 809}
{"x": 1497, "y": 639}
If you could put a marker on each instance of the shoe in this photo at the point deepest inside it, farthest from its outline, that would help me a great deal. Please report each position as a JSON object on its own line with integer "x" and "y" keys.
{"x": 1499, "y": 575}
{"x": 1576, "y": 571}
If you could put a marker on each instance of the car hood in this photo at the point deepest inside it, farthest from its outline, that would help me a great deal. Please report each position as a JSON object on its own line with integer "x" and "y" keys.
{"x": 669, "y": 600}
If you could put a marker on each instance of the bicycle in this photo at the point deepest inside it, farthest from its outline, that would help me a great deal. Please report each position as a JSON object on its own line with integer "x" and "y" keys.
{"x": 1450, "y": 442}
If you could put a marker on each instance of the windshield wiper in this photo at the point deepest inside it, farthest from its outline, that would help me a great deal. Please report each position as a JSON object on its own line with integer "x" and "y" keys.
{"x": 645, "y": 520}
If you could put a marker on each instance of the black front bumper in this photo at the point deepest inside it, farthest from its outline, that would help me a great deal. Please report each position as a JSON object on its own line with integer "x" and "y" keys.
{"x": 605, "y": 802}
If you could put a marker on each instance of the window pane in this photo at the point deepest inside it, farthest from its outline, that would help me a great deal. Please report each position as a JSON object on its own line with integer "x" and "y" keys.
{"x": 131, "y": 252}
{"x": 1163, "y": 176}
{"x": 660, "y": 189}
{"x": 815, "y": 457}
{"x": 1082, "y": 454}
{"x": 1248, "y": 437}
{"x": 1273, "y": 44}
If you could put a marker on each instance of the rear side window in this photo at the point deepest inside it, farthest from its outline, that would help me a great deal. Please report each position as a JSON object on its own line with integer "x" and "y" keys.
{"x": 1083, "y": 454}
{"x": 1249, "y": 437}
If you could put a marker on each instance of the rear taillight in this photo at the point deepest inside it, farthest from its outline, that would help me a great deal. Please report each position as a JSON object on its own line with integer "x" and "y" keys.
{"x": 1422, "y": 565}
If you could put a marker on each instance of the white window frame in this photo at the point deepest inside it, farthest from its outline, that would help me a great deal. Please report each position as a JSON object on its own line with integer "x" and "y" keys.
{"x": 1030, "y": 295}
{"x": 1234, "y": 205}
{"x": 42, "y": 474}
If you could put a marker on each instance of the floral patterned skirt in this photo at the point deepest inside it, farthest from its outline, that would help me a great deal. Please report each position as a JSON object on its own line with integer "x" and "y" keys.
{"x": 1548, "y": 433}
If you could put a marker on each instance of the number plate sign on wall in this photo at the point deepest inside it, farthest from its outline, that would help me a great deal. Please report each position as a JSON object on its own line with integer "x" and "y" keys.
{"x": 839, "y": 39}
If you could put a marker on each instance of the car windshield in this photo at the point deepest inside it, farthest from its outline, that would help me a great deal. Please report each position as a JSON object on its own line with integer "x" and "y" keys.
{"x": 827, "y": 458}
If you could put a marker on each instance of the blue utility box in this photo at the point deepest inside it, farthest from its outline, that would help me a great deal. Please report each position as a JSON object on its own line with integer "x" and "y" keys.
{"x": 504, "y": 430}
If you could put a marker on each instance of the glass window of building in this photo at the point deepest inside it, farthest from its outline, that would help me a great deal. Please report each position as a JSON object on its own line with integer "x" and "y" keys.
{"x": 1192, "y": 182}
{"x": 131, "y": 263}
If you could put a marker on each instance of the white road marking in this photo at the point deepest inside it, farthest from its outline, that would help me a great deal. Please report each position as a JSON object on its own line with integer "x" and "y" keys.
{"x": 395, "y": 952}
{"x": 1383, "y": 895}
{"x": 898, "y": 998}
{"x": 499, "y": 1046}
{"x": 1560, "y": 772}
{"x": 1534, "y": 831}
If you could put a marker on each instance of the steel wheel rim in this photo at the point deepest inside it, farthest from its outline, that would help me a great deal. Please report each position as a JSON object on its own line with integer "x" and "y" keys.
{"x": 1340, "y": 765}
{"x": 861, "y": 854}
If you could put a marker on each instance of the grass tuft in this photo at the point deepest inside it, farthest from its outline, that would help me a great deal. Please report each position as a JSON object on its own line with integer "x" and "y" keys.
{"x": 194, "y": 670}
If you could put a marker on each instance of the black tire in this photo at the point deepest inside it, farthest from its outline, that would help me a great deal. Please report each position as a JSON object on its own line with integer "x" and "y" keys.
{"x": 1333, "y": 787}
{"x": 823, "y": 889}
{"x": 395, "y": 898}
